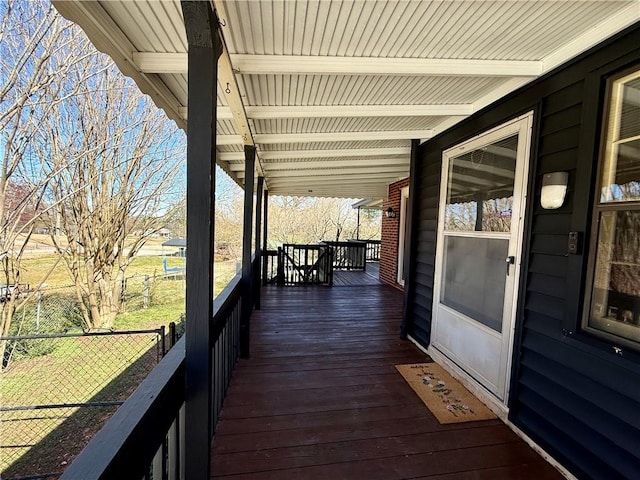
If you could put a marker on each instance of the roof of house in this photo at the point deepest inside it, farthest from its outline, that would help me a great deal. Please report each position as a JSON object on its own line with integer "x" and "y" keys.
{"x": 175, "y": 242}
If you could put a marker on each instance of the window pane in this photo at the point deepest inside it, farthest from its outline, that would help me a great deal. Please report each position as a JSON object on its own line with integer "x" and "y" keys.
{"x": 621, "y": 169}
{"x": 630, "y": 111}
{"x": 480, "y": 188}
{"x": 615, "y": 305}
{"x": 474, "y": 278}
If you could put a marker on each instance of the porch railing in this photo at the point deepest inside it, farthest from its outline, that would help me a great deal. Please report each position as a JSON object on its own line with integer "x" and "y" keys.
{"x": 349, "y": 255}
{"x": 145, "y": 437}
{"x": 269, "y": 267}
{"x": 305, "y": 265}
{"x": 373, "y": 250}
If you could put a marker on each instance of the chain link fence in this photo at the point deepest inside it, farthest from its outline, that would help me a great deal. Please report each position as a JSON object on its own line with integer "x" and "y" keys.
{"x": 53, "y": 404}
{"x": 51, "y": 310}
{"x": 59, "y": 384}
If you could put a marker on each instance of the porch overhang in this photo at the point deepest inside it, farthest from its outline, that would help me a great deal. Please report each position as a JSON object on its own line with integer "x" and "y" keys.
{"x": 332, "y": 94}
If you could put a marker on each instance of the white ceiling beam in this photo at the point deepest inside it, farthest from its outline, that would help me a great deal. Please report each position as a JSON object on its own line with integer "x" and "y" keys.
{"x": 339, "y": 173}
{"x": 344, "y": 192}
{"x": 347, "y": 152}
{"x": 330, "y": 164}
{"x": 344, "y": 111}
{"x": 353, "y": 179}
{"x": 229, "y": 140}
{"x": 151, "y": 62}
{"x": 339, "y": 111}
{"x": 320, "y": 65}
{"x": 364, "y": 163}
{"x": 342, "y": 136}
{"x": 176, "y": 63}
{"x": 593, "y": 36}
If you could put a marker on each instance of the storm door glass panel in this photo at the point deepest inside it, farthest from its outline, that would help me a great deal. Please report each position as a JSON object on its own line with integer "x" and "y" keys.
{"x": 474, "y": 278}
{"x": 480, "y": 188}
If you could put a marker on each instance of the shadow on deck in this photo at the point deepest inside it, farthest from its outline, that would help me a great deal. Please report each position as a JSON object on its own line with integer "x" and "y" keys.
{"x": 320, "y": 399}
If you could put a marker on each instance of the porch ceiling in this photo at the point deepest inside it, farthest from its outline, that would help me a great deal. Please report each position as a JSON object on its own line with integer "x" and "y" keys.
{"x": 333, "y": 92}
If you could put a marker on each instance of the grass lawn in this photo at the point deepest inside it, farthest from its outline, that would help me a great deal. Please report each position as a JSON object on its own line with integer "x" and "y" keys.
{"x": 98, "y": 368}
{"x": 166, "y": 294}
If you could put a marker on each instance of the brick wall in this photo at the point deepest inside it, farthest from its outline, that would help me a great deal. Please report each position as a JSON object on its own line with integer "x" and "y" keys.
{"x": 390, "y": 231}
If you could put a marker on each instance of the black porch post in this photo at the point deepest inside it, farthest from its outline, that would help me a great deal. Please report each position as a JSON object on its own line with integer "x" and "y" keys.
{"x": 204, "y": 50}
{"x": 247, "y": 296}
{"x": 408, "y": 267}
{"x": 258, "y": 263}
{"x": 265, "y": 236}
{"x": 265, "y": 212}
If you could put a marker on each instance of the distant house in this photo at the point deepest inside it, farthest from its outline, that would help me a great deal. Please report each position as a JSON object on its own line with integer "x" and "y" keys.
{"x": 179, "y": 243}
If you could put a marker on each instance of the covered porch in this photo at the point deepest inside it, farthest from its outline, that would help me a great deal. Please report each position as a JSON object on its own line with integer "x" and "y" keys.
{"x": 320, "y": 398}
{"x": 304, "y": 386}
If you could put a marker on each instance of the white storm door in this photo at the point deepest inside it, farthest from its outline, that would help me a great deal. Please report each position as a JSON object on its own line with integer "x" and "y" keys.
{"x": 477, "y": 260}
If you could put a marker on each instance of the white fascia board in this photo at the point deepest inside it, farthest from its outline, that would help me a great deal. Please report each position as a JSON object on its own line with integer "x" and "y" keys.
{"x": 321, "y": 65}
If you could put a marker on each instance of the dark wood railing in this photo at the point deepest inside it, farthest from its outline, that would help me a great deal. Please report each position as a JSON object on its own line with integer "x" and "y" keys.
{"x": 305, "y": 265}
{"x": 269, "y": 267}
{"x": 373, "y": 250}
{"x": 349, "y": 255}
{"x": 145, "y": 437}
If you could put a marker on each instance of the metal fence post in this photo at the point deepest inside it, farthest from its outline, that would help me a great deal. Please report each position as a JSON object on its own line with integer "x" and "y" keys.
{"x": 123, "y": 293}
{"x": 145, "y": 292}
{"x": 38, "y": 309}
{"x": 172, "y": 334}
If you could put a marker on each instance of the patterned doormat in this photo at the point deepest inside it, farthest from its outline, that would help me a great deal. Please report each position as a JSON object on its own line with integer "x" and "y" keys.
{"x": 447, "y": 399}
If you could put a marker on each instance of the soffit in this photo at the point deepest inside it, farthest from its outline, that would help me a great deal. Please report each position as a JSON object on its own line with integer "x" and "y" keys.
{"x": 351, "y": 68}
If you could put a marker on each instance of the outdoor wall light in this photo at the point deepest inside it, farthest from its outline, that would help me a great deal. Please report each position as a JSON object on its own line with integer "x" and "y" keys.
{"x": 554, "y": 189}
{"x": 390, "y": 213}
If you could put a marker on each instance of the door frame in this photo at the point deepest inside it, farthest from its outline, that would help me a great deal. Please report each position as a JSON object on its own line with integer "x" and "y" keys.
{"x": 523, "y": 126}
{"x": 402, "y": 233}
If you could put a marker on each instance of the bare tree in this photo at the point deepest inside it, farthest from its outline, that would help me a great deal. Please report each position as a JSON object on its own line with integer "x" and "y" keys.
{"x": 309, "y": 220}
{"x": 37, "y": 48}
{"x": 114, "y": 159}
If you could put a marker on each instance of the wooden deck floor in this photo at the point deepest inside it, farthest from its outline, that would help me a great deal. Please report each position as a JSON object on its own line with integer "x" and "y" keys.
{"x": 320, "y": 399}
{"x": 371, "y": 276}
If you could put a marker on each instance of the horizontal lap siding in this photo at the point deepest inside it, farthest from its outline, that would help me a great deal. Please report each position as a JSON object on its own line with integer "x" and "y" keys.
{"x": 569, "y": 392}
{"x": 569, "y": 407}
{"x": 424, "y": 244}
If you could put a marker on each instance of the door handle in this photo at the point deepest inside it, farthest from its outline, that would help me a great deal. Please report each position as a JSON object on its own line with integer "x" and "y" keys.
{"x": 510, "y": 260}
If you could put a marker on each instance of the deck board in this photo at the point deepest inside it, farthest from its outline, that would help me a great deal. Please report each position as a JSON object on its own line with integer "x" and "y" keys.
{"x": 320, "y": 399}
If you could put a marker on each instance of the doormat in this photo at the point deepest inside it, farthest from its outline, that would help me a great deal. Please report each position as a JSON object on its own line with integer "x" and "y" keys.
{"x": 447, "y": 399}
